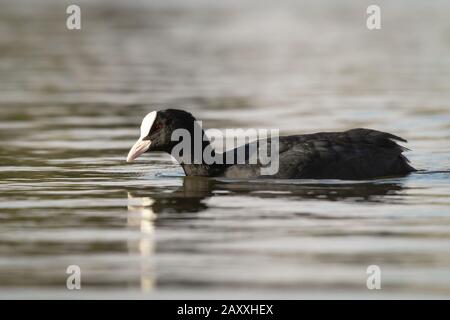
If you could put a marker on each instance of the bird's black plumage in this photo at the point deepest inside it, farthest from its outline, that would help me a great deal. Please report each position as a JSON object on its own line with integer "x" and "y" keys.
{"x": 354, "y": 154}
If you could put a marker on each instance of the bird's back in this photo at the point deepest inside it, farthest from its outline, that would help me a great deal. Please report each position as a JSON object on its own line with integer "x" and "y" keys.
{"x": 354, "y": 154}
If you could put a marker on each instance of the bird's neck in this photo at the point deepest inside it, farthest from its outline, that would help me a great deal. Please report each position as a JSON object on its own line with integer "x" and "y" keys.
{"x": 191, "y": 152}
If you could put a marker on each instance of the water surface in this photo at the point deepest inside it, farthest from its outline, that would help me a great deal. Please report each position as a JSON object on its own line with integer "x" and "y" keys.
{"x": 71, "y": 103}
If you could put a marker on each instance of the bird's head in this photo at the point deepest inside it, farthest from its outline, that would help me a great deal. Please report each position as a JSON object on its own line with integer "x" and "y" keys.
{"x": 156, "y": 131}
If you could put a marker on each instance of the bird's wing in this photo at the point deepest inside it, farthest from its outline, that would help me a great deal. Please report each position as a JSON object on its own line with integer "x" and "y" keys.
{"x": 353, "y": 154}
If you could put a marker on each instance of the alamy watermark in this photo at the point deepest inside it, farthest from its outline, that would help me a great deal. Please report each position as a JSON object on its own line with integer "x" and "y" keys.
{"x": 373, "y": 21}
{"x": 73, "y": 21}
{"x": 253, "y": 146}
{"x": 374, "y": 278}
{"x": 73, "y": 281}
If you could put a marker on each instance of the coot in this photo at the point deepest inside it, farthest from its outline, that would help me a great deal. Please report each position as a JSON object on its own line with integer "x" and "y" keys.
{"x": 354, "y": 154}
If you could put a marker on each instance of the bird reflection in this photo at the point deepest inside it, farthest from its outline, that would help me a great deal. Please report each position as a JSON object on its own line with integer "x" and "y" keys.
{"x": 141, "y": 216}
{"x": 192, "y": 196}
{"x": 155, "y": 207}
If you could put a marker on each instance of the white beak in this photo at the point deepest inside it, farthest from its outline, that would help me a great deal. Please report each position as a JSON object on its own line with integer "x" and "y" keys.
{"x": 138, "y": 148}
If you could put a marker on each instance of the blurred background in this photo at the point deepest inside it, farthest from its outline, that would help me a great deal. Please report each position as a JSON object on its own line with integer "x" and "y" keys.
{"x": 71, "y": 102}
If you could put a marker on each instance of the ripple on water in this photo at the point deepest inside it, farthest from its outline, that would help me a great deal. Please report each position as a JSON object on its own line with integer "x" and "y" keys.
{"x": 71, "y": 108}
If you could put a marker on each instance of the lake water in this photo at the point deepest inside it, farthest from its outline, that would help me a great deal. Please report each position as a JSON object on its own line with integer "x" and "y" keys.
{"x": 71, "y": 103}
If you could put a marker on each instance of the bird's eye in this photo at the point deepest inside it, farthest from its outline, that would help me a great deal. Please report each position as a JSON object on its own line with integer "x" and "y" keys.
{"x": 156, "y": 127}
